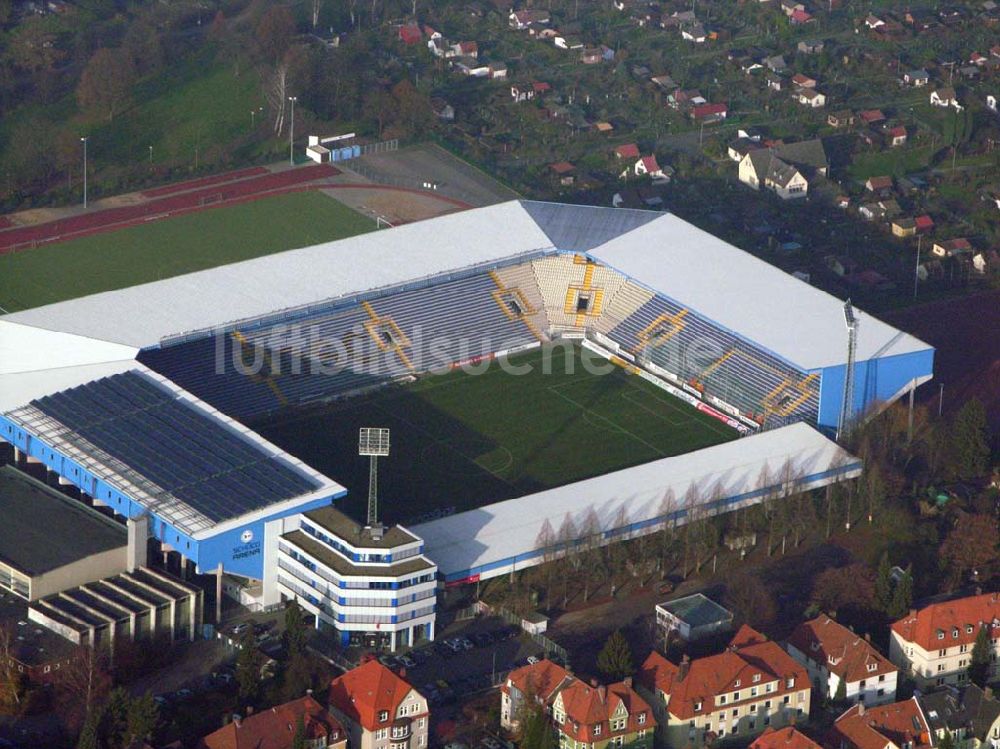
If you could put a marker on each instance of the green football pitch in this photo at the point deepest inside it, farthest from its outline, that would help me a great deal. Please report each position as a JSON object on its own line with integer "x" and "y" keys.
{"x": 462, "y": 440}
{"x": 170, "y": 247}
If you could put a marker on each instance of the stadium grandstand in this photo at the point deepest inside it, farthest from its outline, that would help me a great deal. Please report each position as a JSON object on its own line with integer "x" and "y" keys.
{"x": 146, "y": 398}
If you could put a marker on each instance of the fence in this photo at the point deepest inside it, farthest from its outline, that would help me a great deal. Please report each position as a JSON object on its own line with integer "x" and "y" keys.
{"x": 547, "y": 644}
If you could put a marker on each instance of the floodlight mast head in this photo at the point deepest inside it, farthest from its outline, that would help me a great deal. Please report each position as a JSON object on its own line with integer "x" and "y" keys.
{"x": 373, "y": 442}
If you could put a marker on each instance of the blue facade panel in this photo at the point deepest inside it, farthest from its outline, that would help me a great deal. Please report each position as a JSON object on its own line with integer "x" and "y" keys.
{"x": 241, "y": 550}
{"x": 875, "y": 380}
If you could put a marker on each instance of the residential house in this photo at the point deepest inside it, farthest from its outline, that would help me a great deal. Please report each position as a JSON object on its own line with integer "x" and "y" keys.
{"x": 788, "y": 737}
{"x": 991, "y": 102}
{"x": 602, "y": 716}
{"x": 740, "y": 147}
{"x": 871, "y": 116}
{"x": 986, "y": 262}
{"x": 788, "y": 7}
{"x": 896, "y": 136}
{"x": 410, "y": 33}
{"x": 379, "y": 709}
{"x": 627, "y": 151}
{"x": 498, "y": 71}
{"x": 903, "y": 227}
{"x": 526, "y": 18}
{"x": 924, "y": 223}
{"x": 881, "y": 210}
{"x": 442, "y": 109}
{"x": 800, "y": 18}
{"x": 840, "y": 118}
{"x": 665, "y": 82}
{"x": 803, "y": 81}
{"x": 540, "y": 681}
{"x": 879, "y": 185}
{"x": 565, "y": 172}
{"x": 567, "y": 42}
{"x": 647, "y": 166}
{"x": 952, "y": 247}
{"x": 279, "y": 727}
{"x": 807, "y": 155}
{"x": 693, "y": 617}
{"x": 709, "y": 113}
{"x": 970, "y": 714}
{"x": 898, "y": 725}
{"x": 776, "y": 64}
{"x": 753, "y": 684}
{"x": 810, "y": 97}
{"x": 874, "y": 23}
{"x": 591, "y": 56}
{"x": 945, "y": 97}
{"x": 934, "y": 644}
{"x": 694, "y": 32}
{"x": 833, "y": 654}
{"x": 810, "y": 46}
{"x": 916, "y": 78}
{"x": 774, "y": 81}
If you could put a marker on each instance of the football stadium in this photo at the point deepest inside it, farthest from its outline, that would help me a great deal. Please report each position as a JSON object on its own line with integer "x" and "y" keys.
{"x": 541, "y": 367}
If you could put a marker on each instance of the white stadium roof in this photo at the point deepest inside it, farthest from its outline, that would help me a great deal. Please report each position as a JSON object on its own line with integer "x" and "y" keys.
{"x": 794, "y": 320}
{"x": 500, "y": 532}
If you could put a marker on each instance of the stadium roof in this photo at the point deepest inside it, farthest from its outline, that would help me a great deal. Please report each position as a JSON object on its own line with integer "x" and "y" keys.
{"x": 191, "y": 465}
{"x": 515, "y": 528}
{"x": 42, "y": 530}
{"x": 661, "y": 251}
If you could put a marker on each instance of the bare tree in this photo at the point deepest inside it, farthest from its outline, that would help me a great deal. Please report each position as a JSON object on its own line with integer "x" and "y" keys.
{"x": 276, "y": 93}
{"x": 11, "y": 682}
{"x": 567, "y": 538}
{"x": 316, "y": 6}
{"x": 668, "y": 528}
{"x": 83, "y": 682}
{"x": 591, "y": 536}
{"x": 546, "y": 542}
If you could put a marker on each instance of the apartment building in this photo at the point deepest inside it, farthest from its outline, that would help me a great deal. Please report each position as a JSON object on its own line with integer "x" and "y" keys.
{"x": 751, "y": 686}
{"x": 375, "y": 590}
{"x": 303, "y": 720}
{"x": 833, "y": 654}
{"x": 788, "y": 737}
{"x": 898, "y": 725}
{"x": 379, "y": 709}
{"x": 934, "y": 644}
{"x": 584, "y": 715}
{"x": 970, "y": 714}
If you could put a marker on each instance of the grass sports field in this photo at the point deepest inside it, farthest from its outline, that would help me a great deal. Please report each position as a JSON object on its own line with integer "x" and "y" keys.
{"x": 464, "y": 440}
{"x": 160, "y": 249}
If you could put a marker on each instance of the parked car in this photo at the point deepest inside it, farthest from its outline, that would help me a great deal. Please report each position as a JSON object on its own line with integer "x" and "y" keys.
{"x": 240, "y": 628}
{"x": 407, "y": 661}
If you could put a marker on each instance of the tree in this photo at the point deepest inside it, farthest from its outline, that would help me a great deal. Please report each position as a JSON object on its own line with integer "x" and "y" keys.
{"x": 979, "y": 661}
{"x": 750, "y": 599}
{"x": 299, "y": 741}
{"x": 83, "y": 683}
{"x": 840, "y": 695}
{"x": 883, "y": 584}
{"x": 107, "y": 81}
{"x": 141, "y": 717}
{"x": 413, "y": 109}
{"x": 378, "y": 107}
{"x": 947, "y": 741}
{"x": 902, "y": 596}
{"x": 615, "y": 658}
{"x": 970, "y": 440}
{"x": 295, "y": 629}
{"x": 838, "y": 587}
{"x": 274, "y": 33}
{"x": 970, "y": 544}
{"x": 534, "y": 729}
{"x": 11, "y": 680}
{"x": 248, "y": 664}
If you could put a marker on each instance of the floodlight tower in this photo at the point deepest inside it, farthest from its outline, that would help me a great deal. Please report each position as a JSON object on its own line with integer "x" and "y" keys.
{"x": 847, "y": 406}
{"x": 373, "y": 442}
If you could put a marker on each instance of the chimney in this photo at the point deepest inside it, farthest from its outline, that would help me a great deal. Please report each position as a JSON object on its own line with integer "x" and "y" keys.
{"x": 868, "y": 636}
{"x": 627, "y": 681}
{"x": 402, "y": 672}
{"x": 685, "y": 666}
{"x": 309, "y": 692}
{"x": 602, "y": 692}
{"x": 237, "y": 720}
{"x": 593, "y": 683}
{"x": 979, "y": 590}
{"x": 987, "y": 693}
{"x": 249, "y": 710}
{"x": 861, "y": 708}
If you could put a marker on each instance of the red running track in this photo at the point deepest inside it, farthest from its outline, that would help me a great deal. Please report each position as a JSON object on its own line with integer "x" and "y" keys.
{"x": 90, "y": 223}
{"x": 215, "y": 179}
{"x": 5, "y": 222}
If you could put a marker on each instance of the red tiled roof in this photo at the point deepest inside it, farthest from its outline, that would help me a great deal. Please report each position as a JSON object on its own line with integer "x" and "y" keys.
{"x": 952, "y": 619}
{"x": 873, "y": 728}
{"x": 542, "y": 679}
{"x": 924, "y": 222}
{"x": 540, "y": 86}
{"x": 588, "y": 706}
{"x": 751, "y": 659}
{"x": 879, "y": 183}
{"x": 840, "y": 650}
{"x": 276, "y": 728}
{"x": 362, "y": 693}
{"x": 783, "y": 738}
{"x": 872, "y": 115}
{"x": 410, "y": 33}
{"x": 562, "y": 167}
{"x": 705, "y": 110}
{"x": 803, "y": 80}
{"x": 801, "y": 16}
{"x": 898, "y": 132}
{"x": 649, "y": 163}
{"x": 627, "y": 151}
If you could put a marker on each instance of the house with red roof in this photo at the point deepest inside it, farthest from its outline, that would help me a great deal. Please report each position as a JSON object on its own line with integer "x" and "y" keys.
{"x": 952, "y": 247}
{"x": 924, "y": 223}
{"x": 627, "y": 151}
{"x": 279, "y": 727}
{"x": 783, "y": 738}
{"x": 833, "y": 654}
{"x": 710, "y": 112}
{"x": 871, "y": 116}
{"x": 898, "y": 725}
{"x": 647, "y": 166}
{"x": 410, "y": 33}
{"x": 934, "y": 644}
{"x": 754, "y": 684}
{"x": 379, "y": 709}
{"x": 598, "y": 715}
{"x": 896, "y": 136}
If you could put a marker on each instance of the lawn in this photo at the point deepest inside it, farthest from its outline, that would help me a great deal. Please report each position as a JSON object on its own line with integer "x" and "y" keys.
{"x": 173, "y": 246}
{"x": 462, "y": 440}
{"x": 896, "y": 161}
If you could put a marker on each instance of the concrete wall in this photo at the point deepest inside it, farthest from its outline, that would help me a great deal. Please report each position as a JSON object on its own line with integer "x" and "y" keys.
{"x": 90, "y": 569}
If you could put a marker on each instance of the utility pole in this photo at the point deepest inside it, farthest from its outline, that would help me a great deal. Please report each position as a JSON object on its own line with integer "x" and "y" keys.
{"x": 916, "y": 270}
{"x": 84, "y": 141}
{"x": 291, "y": 133}
{"x": 940, "y": 400}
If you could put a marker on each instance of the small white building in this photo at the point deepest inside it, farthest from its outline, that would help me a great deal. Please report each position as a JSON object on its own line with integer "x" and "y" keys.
{"x": 693, "y": 617}
{"x": 945, "y": 97}
{"x": 833, "y": 654}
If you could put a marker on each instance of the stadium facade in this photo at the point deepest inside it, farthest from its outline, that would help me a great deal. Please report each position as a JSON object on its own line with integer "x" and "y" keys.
{"x": 139, "y": 397}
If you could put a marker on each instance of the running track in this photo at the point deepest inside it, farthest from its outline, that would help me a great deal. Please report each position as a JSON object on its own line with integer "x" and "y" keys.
{"x": 245, "y": 191}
